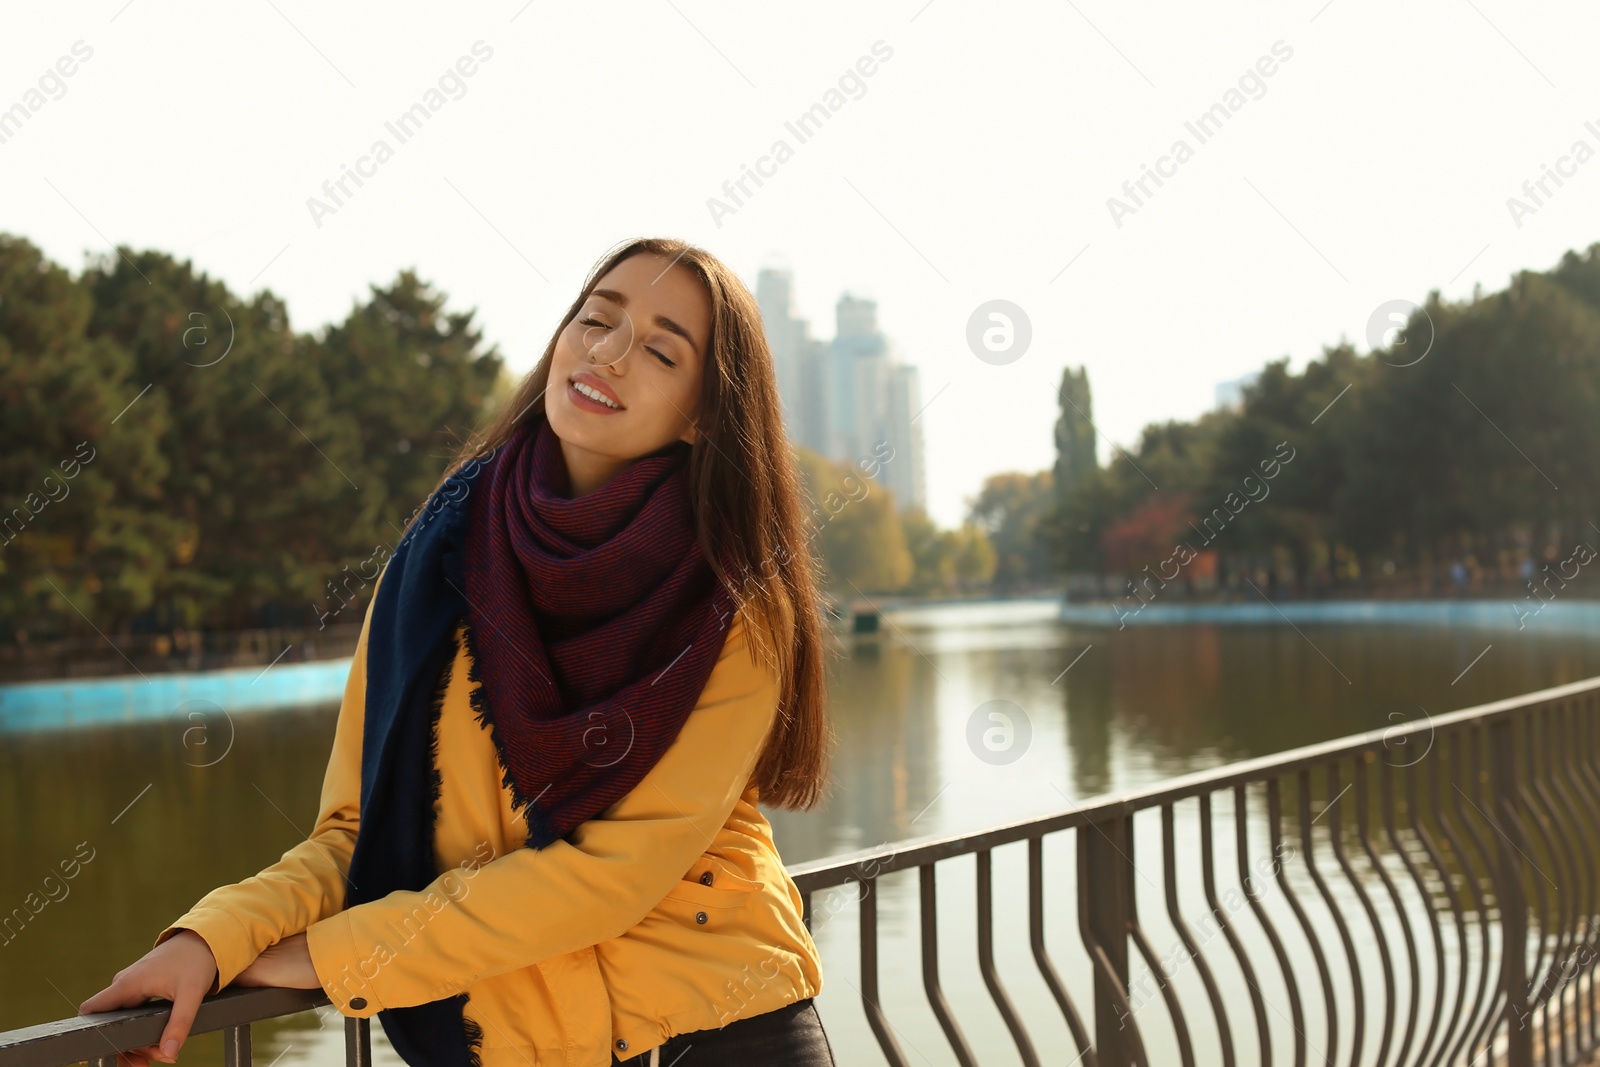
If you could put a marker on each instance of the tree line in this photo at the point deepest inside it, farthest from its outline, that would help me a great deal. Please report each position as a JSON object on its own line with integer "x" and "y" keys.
{"x": 1461, "y": 453}
{"x": 174, "y": 455}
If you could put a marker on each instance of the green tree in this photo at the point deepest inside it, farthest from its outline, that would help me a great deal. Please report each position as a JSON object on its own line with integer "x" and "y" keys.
{"x": 83, "y": 526}
{"x": 857, "y": 528}
{"x": 413, "y": 379}
{"x": 260, "y": 461}
{"x": 1009, "y": 509}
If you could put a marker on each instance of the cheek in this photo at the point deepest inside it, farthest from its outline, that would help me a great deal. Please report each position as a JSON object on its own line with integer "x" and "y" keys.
{"x": 684, "y": 402}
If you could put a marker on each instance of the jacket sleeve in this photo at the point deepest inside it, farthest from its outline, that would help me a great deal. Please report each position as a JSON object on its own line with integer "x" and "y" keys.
{"x": 240, "y": 921}
{"x": 533, "y": 904}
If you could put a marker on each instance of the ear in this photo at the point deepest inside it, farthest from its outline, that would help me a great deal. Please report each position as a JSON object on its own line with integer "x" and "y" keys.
{"x": 691, "y": 435}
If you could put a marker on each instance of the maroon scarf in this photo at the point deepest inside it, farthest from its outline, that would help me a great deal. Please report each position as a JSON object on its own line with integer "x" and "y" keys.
{"x": 593, "y": 623}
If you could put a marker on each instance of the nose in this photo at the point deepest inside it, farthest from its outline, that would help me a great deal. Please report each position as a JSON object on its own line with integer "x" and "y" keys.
{"x": 610, "y": 348}
{"x": 598, "y": 357}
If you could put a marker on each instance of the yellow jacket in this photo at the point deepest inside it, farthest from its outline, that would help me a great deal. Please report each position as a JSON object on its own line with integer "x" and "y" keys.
{"x": 669, "y": 912}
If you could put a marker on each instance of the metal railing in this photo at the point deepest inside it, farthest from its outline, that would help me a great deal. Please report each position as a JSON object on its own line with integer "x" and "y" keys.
{"x": 1391, "y": 947}
{"x": 96, "y": 1039}
{"x": 1487, "y": 819}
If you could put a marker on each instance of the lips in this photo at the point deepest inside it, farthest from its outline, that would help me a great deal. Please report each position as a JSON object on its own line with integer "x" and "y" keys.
{"x": 598, "y": 386}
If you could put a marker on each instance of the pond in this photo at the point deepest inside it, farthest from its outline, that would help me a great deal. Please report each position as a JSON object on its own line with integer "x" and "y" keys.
{"x": 1086, "y": 710}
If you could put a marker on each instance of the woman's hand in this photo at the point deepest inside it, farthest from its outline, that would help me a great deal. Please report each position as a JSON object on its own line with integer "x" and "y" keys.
{"x": 285, "y": 964}
{"x": 180, "y": 969}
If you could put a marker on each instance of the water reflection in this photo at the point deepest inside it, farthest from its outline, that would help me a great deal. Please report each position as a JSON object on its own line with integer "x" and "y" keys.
{"x": 1104, "y": 710}
{"x": 1140, "y": 705}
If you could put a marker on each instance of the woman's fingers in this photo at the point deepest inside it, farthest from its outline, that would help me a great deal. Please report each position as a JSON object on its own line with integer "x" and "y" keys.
{"x": 184, "y": 1007}
{"x": 136, "y": 1057}
{"x": 114, "y": 996}
{"x": 123, "y": 993}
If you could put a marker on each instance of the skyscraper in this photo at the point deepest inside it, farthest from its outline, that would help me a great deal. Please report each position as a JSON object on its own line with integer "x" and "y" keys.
{"x": 797, "y": 359}
{"x": 850, "y": 399}
{"x": 904, "y": 473}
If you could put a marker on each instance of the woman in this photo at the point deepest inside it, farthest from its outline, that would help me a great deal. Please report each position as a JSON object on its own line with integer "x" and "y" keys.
{"x": 595, "y": 648}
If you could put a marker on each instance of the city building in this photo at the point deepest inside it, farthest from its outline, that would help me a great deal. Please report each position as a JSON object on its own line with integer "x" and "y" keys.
{"x": 1230, "y": 395}
{"x": 851, "y": 399}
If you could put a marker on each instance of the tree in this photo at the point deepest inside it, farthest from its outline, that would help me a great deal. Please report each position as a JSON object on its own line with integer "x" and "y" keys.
{"x": 946, "y": 561}
{"x": 259, "y": 459}
{"x": 857, "y": 529}
{"x": 413, "y": 379}
{"x": 1069, "y": 530}
{"x": 83, "y": 527}
{"x": 1075, "y": 433}
{"x": 1009, "y": 510}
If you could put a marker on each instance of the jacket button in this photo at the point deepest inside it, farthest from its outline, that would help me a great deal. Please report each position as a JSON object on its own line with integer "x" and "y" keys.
{"x": 705, "y": 879}
{"x": 700, "y": 917}
{"x": 358, "y": 1003}
{"x": 622, "y": 1043}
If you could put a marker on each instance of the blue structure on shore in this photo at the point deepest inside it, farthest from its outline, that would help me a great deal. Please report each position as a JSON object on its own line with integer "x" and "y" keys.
{"x": 1567, "y": 616}
{"x": 133, "y": 697}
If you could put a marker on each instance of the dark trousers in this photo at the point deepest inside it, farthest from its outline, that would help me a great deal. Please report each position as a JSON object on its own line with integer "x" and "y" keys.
{"x": 791, "y": 1036}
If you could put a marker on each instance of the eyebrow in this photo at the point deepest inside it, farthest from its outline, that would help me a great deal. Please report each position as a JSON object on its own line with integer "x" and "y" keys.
{"x": 662, "y": 321}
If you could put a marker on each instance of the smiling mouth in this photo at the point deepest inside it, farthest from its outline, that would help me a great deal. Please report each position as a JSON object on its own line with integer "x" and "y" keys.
{"x": 589, "y": 392}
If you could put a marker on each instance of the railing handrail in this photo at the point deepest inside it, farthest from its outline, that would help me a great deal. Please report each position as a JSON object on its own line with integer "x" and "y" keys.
{"x": 99, "y": 1036}
{"x": 812, "y": 875}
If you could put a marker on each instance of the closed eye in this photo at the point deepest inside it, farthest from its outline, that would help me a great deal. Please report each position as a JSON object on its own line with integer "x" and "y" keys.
{"x": 653, "y": 352}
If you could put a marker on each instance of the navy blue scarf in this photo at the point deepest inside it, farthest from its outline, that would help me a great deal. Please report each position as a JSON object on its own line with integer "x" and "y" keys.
{"x": 409, "y": 643}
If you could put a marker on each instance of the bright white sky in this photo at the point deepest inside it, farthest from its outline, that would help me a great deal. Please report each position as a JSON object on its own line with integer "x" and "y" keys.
{"x": 976, "y": 166}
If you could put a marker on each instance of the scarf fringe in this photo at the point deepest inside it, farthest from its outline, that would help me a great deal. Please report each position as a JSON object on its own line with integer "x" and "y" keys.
{"x": 471, "y": 1030}
{"x": 478, "y": 697}
{"x": 474, "y": 1034}
{"x": 435, "y": 709}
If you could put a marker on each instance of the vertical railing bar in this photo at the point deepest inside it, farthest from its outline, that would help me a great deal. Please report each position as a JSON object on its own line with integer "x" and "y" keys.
{"x": 1535, "y": 725}
{"x": 1541, "y": 980}
{"x": 1583, "y": 750}
{"x": 1069, "y": 1010}
{"x": 1386, "y": 792}
{"x": 1565, "y": 753}
{"x": 1252, "y": 894}
{"x": 1308, "y": 843}
{"x": 1180, "y": 1025}
{"x": 986, "y": 968}
{"x": 1510, "y": 891}
{"x": 1488, "y": 997}
{"x": 1571, "y": 761}
{"x": 1419, "y": 828}
{"x": 1208, "y": 878}
{"x": 1577, "y": 921}
{"x": 1336, "y": 846}
{"x": 1364, "y": 822}
{"x": 1576, "y": 925}
{"x": 236, "y": 1045}
{"x": 869, "y": 974}
{"x": 1170, "y": 877}
{"x": 1103, "y": 873}
{"x": 1358, "y": 785}
{"x": 1281, "y": 873}
{"x": 930, "y": 967}
{"x": 1522, "y": 729}
{"x": 357, "y": 1042}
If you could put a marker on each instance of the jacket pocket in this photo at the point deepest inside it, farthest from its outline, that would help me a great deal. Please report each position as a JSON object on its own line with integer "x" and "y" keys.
{"x": 714, "y": 883}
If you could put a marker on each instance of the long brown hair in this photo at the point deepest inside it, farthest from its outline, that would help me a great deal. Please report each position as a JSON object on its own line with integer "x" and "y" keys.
{"x": 747, "y": 506}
